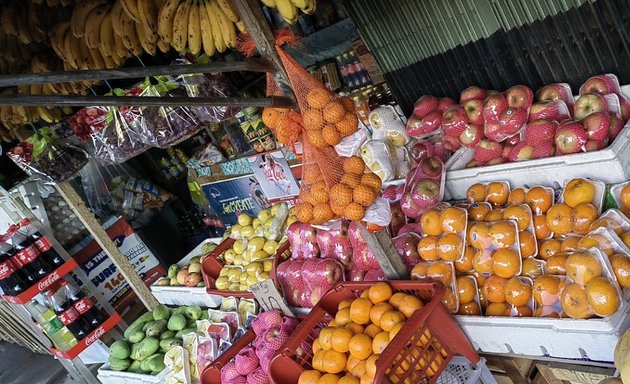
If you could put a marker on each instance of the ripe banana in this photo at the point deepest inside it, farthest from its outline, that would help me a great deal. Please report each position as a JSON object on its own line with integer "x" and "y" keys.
{"x": 117, "y": 11}
{"x": 300, "y": 3}
{"x": 287, "y": 10}
{"x": 93, "y": 26}
{"x": 311, "y": 5}
{"x": 96, "y": 60}
{"x": 45, "y": 114}
{"x": 194, "y": 32}
{"x": 34, "y": 23}
{"x": 228, "y": 8}
{"x": 147, "y": 45}
{"x": 80, "y": 14}
{"x": 163, "y": 46}
{"x": 206, "y": 32}
{"x": 107, "y": 44}
{"x": 217, "y": 34}
{"x": 130, "y": 37}
{"x": 70, "y": 54}
{"x": 149, "y": 11}
{"x": 165, "y": 20}
{"x": 131, "y": 9}
{"x": 8, "y": 19}
{"x": 269, "y": 3}
{"x": 180, "y": 26}
{"x": 56, "y": 38}
{"x": 228, "y": 30}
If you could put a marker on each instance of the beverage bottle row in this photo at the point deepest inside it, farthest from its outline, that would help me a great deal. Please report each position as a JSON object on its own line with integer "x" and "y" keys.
{"x": 353, "y": 74}
{"x": 26, "y": 256}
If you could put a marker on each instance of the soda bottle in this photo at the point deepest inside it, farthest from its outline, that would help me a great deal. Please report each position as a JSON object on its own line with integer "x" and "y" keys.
{"x": 48, "y": 252}
{"x": 49, "y": 324}
{"x": 12, "y": 280}
{"x": 27, "y": 257}
{"x": 67, "y": 313}
{"x": 82, "y": 303}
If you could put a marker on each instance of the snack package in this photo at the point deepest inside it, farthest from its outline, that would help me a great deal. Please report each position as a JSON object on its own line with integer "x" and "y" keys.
{"x": 206, "y": 352}
{"x": 190, "y": 344}
{"x": 444, "y": 272}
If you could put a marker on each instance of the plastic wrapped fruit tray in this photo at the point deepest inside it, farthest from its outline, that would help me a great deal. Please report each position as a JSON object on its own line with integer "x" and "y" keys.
{"x": 212, "y": 374}
{"x": 211, "y": 268}
{"x": 428, "y": 340}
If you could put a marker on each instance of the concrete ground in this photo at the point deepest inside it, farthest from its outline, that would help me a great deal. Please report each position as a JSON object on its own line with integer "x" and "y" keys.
{"x": 19, "y": 365}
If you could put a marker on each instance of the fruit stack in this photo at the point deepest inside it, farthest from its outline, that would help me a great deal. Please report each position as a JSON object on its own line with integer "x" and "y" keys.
{"x": 423, "y": 187}
{"x": 189, "y": 274}
{"x": 426, "y": 118}
{"x": 289, "y": 8}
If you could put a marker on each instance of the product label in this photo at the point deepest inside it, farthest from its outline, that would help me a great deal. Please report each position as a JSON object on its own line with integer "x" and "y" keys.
{"x": 96, "y": 334}
{"x": 48, "y": 281}
{"x": 6, "y": 269}
{"x": 42, "y": 244}
{"x": 83, "y": 305}
{"x": 69, "y": 316}
{"x": 27, "y": 255}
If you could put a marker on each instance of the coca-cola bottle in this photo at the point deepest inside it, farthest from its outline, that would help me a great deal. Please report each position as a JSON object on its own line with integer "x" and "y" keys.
{"x": 82, "y": 303}
{"x": 27, "y": 257}
{"x": 48, "y": 253}
{"x": 12, "y": 280}
{"x": 66, "y": 312}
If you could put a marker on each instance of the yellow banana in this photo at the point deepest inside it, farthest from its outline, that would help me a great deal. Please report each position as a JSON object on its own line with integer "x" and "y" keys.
{"x": 147, "y": 45}
{"x": 180, "y": 26}
{"x": 206, "y": 31}
{"x": 116, "y": 16}
{"x": 8, "y": 19}
{"x": 130, "y": 37}
{"x": 269, "y": 3}
{"x": 45, "y": 114}
{"x": 194, "y": 33}
{"x": 228, "y": 30}
{"x": 107, "y": 45}
{"x": 300, "y": 3}
{"x": 241, "y": 27}
{"x": 131, "y": 9}
{"x": 217, "y": 34}
{"x": 148, "y": 10}
{"x": 287, "y": 10}
{"x": 108, "y": 61}
{"x": 80, "y": 14}
{"x": 70, "y": 54}
{"x": 228, "y": 8}
{"x": 56, "y": 37}
{"x": 165, "y": 20}
{"x": 311, "y": 5}
{"x": 93, "y": 26}
{"x": 35, "y": 89}
{"x": 163, "y": 46}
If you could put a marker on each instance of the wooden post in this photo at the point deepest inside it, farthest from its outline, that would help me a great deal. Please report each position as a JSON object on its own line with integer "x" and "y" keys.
{"x": 102, "y": 238}
{"x": 385, "y": 253}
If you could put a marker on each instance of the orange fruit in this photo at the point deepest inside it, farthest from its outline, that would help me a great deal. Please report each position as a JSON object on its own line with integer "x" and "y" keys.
{"x": 318, "y": 360}
{"x": 518, "y": 291}
{"x": 316, "y": 346}
{"x": 361, "y": 346}
{"x": 497, "y": 193}
{"x": 348, "y": 380}
{"x": 453, "y": 220}
{"x": 364, "y": 195}
{"x": 503, "y": 234}
{"x": 548, "y": 248}
{"x": 520, "y": 312}
{"x": 319, "y": 191}
{"x": 377, "y": 311}
{"x": 520, "y": 214}
{"x": 539, "y": 199}
{"x": 625, "y": 237}
{"x": 464, "y": 263}
{"x": 304, "y": 212}
{"x": 395, "y": 330}
{"x": 380, "y": 342}
{"x": 517, "y": 196}
{"x": 583, "y": 216}
{"x": 396, "y": 299}
{"x": 270, "y": 117}
{"x": 312, "y": 120}
{"x": 360, "y": 311}
{"x": 340, "y": 339}
{"x": 390, "y": 318}
{"x": 479, "y": 236}
{"x": 322, "y": 213}
{"x": 354, "y": 165}
{"x": 559, "y": 219}
{"x": 482, "y": 262}
{"x": 334, "y": 112}
{"x": 343, "y": 317}
{"x": 350, "y": 180}
{"x": 621, "y": 267}
{"x": 470, "y": 309}
{"x": 466, "y": 289}
{"x": 354, "y": 212}
{"x": 430, "y": 223}
{"x": 325, "y": 338}
{"x": 380, "y": 292}
{"x": 574, "y": 301}
{"x": 570, "y": 244}
{"x": 331, "y": 135}
{"x": 556, "y": 264}
{"x": 450, "y": 247}
{"x": 597, "y": 241}
{"x": 366, "y": 379}
{"x": 440, "y": 271}
{"x": 479, "y": 211}
{"x": 351, "y": 363}
{"x": 582, "y": 267}
{"x": 333, "y": 361}
{"x": 344, "y": 304}
{"x": 540, "y": 227}
{"x": 316, "y": 139}
{"x": 341, "y": 194}
{"x": 532, "y": 267}
{"x": 419, "y": 271}
{"x": 527, "y": 244}
{"x": 338, "y": 210}
{"x": 318, "y": 98}
{"x": 494, "y": 215}
{"x": 347, "y": 103}
{"x": 355, "y": 328}
{"x": 310, "y": 376}
{"x": 497, "y": 309}
{"x": 602, "y": 296}
{"x": 328, "y": 378}
{"x": 578, "y": 191}
{"x": 427, "y": 248}
{"x": 372, "y": 180}
{"x": 546, "y": 311}
{"x": 348, "y": 125}
{"x": 476, "y": 193}
{"x": 409, "y": 304}
{"x": 506, "y": 263}
{"x": 372, "y": 330}
{"x": 449, "y": 300}
{"x": 494, "y": 289}
{"x": 370, "y": 365}
{"x": 365, "y": 294}
{"x": 359, "y": 369}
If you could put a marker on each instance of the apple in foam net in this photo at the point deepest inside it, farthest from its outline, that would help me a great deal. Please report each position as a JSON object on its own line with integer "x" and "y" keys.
{"x": 425, "y": 193}
{"x": 421, "y": 150}
{"x": 432, "y": 167}
{"x": 424, "y": 105}
{"x": 471, "y": 135}
{"x": 554, "y": 91}
{"x": 444, "y": 103}
{"x": 474, "y": 111}
{"x": 454, "y": 120}
{"x": 598, "y": 84}
{"x": 540, "y": 131}
{"x": 493, "y": 106}
{"x": 624, "y": 105}
{"x": 492, "y": 130}
{"x": 474, "y": 163}
{"x": 597, "y": 126}
{"x": 545, "y": 149}
{"x": 451, "y": 143}
{"x": 473, "y": 92}
{"x": 589, "y": 103}
{"x": 551, "y": 109}
{"x": 512, "y": 120}
{"x": 593, "y": 145}
{"x": 431, "y": 122}
{"x": 519, "y": 96}
{"x": 521, "y": 151}
{"x": 616, "y": 126}
{"x": 513, "y": 140}
{"x": 486, "y": 150}
{"x": 571, "y": 137}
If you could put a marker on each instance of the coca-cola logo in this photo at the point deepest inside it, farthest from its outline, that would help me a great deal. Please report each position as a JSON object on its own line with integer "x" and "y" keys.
{"x": 5, "y": 270}
{"x": 48, "y": 281}
{"x": 83, "y": 305}
{"x": 98, "y": 332}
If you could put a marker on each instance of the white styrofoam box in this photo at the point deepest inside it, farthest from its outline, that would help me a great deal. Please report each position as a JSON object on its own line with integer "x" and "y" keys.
{"x": 461, "y": 371}
{"x": 187, "y": 295}
{"x": 593, "y": 339}
{"x": 107, "y": 376}
{"x": 610, "y": 165}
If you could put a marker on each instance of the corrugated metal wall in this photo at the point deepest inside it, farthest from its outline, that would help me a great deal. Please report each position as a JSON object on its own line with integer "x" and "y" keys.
{"x": 443, "y": 46}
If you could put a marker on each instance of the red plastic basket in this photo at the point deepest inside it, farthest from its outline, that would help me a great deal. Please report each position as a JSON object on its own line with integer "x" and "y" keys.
{"x": 212, "y": 373}
{"x": 428, "y": 341}
{"x": 211, "y": 268}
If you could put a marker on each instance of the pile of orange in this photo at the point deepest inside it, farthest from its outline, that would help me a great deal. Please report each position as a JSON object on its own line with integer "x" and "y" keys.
{"x": 328, "y": 120}
{"x": 577, "y": 212}
{"x": 284, "y": 123}
{"x": 508, "y": 297}
{"x": 444, "y": 272}
{"x": 443, "y": 234}
{"x": 347, "y": 350}
{"x": 356, "y": 191}
{"x": 624, "y": 199}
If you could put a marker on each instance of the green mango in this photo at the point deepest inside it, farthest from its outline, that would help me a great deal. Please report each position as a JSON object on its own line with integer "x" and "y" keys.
{"x": 135, "y": 367}
{"x": 177, "y": 322}
{"x": 156, "y": 328}
{"x": 136, "y": 337}
{"x": 139, "y": 324}
{"x": 167, "y": 335}
{"x": 167, "y": 344}
{"x": 172, "y": 271}
{"x": 161, "y": 312}
{"x": 145, "y": 348}
{"x": 118, "y": 364}
{"x": 193, "y": 312}
{"x": 183, "y": 332}
{"x": 120, "y": 349}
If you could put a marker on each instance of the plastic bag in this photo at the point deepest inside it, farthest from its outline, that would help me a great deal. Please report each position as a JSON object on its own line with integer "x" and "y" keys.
{"x": 376, "y": 155}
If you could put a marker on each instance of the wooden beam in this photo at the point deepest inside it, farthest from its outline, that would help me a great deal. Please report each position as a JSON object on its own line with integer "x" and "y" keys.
{"x": 385, "y": 253}
{"x": 102, "y": 238}
{"x": 252, "y": 65}
{"x": 80, "y": 101}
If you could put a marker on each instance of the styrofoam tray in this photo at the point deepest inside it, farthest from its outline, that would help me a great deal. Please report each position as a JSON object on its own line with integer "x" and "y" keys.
{"x": 593, "y": 339}
{"x": 187, "y": 295}
{"x": 107, "y": 376}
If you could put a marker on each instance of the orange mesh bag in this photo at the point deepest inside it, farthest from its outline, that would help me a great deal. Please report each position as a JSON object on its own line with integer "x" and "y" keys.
{"x": 286, "y": 124}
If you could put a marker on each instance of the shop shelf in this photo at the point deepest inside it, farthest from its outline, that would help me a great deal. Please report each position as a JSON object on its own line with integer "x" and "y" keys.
{"x": 187, "y": 295}
{"x": 430, "y": 337}
{"x": 610, "y": 165}
{"x": 43, "y": 284}
{"x": 462, "y": 371}
{"x": 95, "y": 335}
{"x": 212, "y": 373}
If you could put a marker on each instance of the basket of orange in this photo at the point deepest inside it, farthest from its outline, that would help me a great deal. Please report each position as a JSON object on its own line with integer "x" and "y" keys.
{"x": 383, "y": 332}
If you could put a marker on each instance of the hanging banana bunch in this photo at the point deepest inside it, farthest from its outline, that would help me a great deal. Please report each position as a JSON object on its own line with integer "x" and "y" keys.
{"x": 289, "y": 8}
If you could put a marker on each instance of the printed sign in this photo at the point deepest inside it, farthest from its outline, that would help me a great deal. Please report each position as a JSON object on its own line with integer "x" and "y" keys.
{"x": 274, "y": 176}
{"x": 233, "y": 196}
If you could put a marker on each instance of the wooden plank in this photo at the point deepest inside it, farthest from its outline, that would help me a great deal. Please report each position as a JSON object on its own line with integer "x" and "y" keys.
{"x": 385, "y": 253}
{"x": 252, "y": 65}
{"x": 80, "y": 101}
{"x": 547, "y": 375}
{"x": 118, "y": 258}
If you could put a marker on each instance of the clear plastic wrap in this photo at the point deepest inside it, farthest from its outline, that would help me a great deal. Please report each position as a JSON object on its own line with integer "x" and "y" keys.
{"x": 424, "y": 187}
{"x": 378, "y": 157}
{"x": 519, "y": 295}
{"x": 556, "y": 91}
{"x": 429, "y": 146}
{"x": 387, "y": 126}
{"x": 444, "y": 272}
{"x": 497, "y": 249}
{"x": 468, "y": 295}
{"x": 303, "y": 240}
{"x": 426, "y": 118}
{"x": 407, "y": 247}
{"x": 335, "y": 244}
{"x": 444, "y": 234}
{"x": 554, "y": 110}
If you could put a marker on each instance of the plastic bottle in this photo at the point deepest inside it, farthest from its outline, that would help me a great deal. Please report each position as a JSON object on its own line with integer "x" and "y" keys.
{"x": 50, "y": 324}
{"x": 28, "y": 258}
{"x": 12, "y": 280}
{"x": 81, "y": 302}
{"x": 66, "y": 312}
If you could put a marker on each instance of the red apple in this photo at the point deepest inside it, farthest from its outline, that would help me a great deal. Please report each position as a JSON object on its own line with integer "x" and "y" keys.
{"x": 422, "y": 150}
{"x": 471, "y": 135}
{"x": 493, "y": 106}
{"x": 519, "y": 96}
{"x": 571, "y": 137}
{"x": 432, "y": 167}
{"x": 431, "y": 122}
{"x": 424, "y": 105}
{"x": 425, "y": 193}
{"x": 624, "y": 105}
{"x": 414, "y": 126}
{"x": 593, "y": 145}
{"x": 511, "y": 121}
{"x": 545, "y": 149}
{"x": 444, "y": 103}
{"x": 454, "y": 120}
{"x": 474, "y": 111}
{"x": 589, "y": 103}
{"x": 552, "y": 110}
{"x": 470, "y": 93}
{"x": 451, "y": 143}
{"x": 409, "y": 207}
{"x": 554, "y": 91}
{"x": 522, "y": 151}
{"x": 398, "y": 218}
{"x": 492, "y": 130}
{"x": 506, "y": 150}
{"x": 616, "y": 126}
{"x": 513, "y": 140}
{"x": 601, "y": 84}
{"x": 597, "y": 126}
{"x": 540, "y": 131}
{"x": 486, "y": 150}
